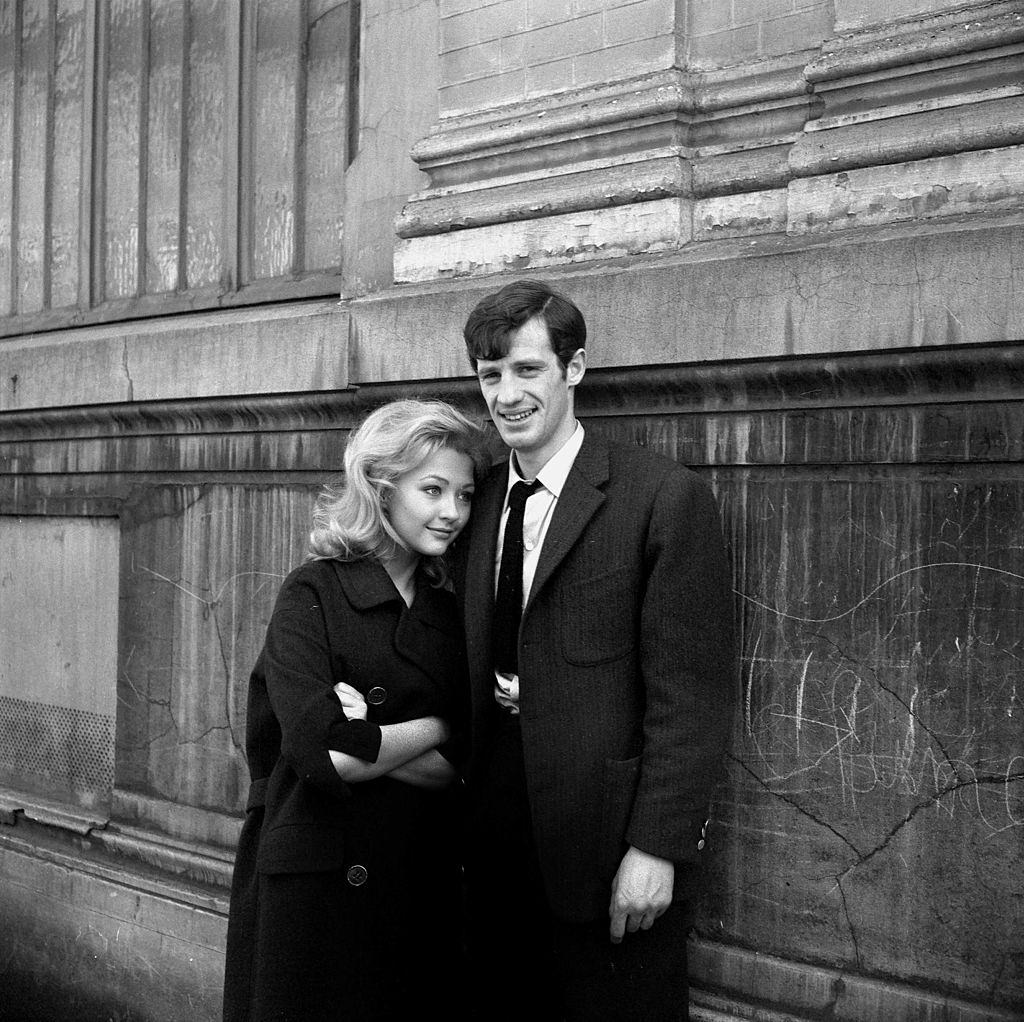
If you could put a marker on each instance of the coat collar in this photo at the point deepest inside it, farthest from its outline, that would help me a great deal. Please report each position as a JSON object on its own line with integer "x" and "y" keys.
{"x": 365, "y": 582}
{"x": 366, "y": 585}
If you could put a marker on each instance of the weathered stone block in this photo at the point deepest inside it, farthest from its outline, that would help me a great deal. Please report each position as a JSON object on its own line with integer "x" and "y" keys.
{"x": 979, "y": 183}
{"x": 644, "y": 228}
{"x": 733, "y": 216}
{"x": 295, "y": 347}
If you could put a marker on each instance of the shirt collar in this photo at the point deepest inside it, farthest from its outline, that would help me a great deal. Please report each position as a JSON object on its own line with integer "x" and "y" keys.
{"x": 556, "y": 470}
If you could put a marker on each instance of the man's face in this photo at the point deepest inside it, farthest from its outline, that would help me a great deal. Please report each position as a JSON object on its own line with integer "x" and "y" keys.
{"x": 530, "y": 396}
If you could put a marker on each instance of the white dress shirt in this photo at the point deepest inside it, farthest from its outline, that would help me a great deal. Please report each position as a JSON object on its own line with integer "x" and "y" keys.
{"x": 540, "y": 506}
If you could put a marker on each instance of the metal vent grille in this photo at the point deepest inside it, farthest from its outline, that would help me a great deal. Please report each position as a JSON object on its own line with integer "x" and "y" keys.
{"x": 63, "y": 748}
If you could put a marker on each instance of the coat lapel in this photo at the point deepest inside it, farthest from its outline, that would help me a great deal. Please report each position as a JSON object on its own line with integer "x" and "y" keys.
{"x": 577, "y": 504}
{"x": 368, "y": 585}
{"x": 427, "y": 634}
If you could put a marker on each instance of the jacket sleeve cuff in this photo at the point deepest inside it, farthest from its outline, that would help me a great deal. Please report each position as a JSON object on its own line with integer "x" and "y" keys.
{"x": 359, "y": 738}
{"x": 685, "y": 845}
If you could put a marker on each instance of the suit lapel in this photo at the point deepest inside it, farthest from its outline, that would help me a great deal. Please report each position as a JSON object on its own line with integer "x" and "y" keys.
{"x": 577, "y": 504}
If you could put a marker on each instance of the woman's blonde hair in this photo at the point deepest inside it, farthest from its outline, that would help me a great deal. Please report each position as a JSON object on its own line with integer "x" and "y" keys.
{"x": 350, "y": 518}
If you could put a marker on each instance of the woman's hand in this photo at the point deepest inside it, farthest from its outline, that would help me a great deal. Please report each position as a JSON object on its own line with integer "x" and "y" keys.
{"x": 352, "y": 701}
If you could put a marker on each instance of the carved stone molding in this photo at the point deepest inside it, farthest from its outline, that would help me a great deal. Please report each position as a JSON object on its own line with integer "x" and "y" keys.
{"x": 673, "y": 158}
{"x": 600, "y": 147}
{"x": 931, "y": 374}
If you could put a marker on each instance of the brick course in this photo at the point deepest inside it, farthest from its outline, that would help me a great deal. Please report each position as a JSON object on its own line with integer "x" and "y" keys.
{"x": 795, "y": 31}
{"x": 497, "y": 53}
{"x": 624, "y": 61}
{"x": 477, "y": 26}
{"x": 644, "y": 20}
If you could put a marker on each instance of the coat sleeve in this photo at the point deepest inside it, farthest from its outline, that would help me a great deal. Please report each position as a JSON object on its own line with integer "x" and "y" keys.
{"x": 300, "y": 675}
{"x": 687, "y": 663}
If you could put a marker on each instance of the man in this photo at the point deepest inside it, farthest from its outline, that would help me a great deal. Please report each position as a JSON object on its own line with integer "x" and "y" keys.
{"x": 598, "y": 720}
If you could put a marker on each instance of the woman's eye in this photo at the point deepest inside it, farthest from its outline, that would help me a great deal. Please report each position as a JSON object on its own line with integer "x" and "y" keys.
{"x": 434, "y": 491}
{"x": 466, "y": 497}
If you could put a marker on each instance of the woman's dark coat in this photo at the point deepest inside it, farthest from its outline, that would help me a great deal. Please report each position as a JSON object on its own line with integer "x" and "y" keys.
{"x": 332, "y": 881}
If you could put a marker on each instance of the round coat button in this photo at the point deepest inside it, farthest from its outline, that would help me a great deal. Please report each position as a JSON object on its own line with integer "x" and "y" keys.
{"x": 376, "y": 695}
{"x": 356, "y": 875}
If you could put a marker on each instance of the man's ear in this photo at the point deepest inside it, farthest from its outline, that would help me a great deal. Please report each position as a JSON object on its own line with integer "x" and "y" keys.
{"x": 576, "y": 367}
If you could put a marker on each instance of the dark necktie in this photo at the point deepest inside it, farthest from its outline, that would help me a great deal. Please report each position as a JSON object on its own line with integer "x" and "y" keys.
{"x": 508, "y": 604}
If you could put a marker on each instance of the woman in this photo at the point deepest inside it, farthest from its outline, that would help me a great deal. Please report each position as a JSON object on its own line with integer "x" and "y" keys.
{"x": 345, "y": 899}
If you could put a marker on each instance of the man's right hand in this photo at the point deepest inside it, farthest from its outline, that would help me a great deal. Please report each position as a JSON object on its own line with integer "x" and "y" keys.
{"x": 641, "y": 891}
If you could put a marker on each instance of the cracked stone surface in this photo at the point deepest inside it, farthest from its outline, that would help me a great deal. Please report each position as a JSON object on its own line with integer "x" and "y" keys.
{"x": 874, "y": 811}
{"x": 201, "y": 583}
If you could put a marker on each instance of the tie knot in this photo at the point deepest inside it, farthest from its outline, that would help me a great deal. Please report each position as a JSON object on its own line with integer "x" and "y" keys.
{"x": 520, "y": 493}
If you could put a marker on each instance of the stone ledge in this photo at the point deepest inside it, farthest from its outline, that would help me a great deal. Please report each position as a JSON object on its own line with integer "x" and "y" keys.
{"x": 86, "y": 861}
{"x": 661, "y": 225}
{"x": 933, "y": 375}
{"x": 911, "y": 285}
{"x": 647, "y": 179}
{"x": 296, "y": 346}
{"x": 61, "y": 815}
{"x": 206, "y": 864}
{"x": 921, "y": 39}
{"x": 981, "y": 183}
{"x": 789, "y": 991}
{"x": 992, "y": 124}
{"x": 188, "y": 826}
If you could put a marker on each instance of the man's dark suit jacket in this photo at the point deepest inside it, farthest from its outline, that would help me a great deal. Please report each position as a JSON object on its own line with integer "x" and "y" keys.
{"x": 626, "y": 667}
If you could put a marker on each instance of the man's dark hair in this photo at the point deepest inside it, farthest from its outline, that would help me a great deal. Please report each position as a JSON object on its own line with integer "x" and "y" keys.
{"x": 497, "y": 315}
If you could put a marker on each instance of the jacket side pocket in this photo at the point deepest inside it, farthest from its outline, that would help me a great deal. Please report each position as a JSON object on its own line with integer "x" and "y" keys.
{"x": 621, "y": 777}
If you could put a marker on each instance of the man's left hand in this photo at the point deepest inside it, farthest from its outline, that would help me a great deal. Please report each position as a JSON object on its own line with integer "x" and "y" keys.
{"x": 641, "y": 891}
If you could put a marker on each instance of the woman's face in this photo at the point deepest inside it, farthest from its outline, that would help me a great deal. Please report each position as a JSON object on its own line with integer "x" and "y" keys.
{"x": 429, "y": 505}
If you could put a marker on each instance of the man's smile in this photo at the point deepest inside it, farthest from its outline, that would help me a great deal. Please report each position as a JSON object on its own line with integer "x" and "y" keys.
{"x": 517, "y": 416}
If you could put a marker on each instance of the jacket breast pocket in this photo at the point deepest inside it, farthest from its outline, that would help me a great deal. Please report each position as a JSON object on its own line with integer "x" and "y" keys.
{"x": 598, "y": 618}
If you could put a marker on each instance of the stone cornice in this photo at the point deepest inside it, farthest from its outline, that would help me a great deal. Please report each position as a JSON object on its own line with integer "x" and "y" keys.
{"x": 671, "y": 94}
{"x": 667, "y": 93}
{"x": 992, "y": 125}
{"x": 661, "y": 176}
{"x": 928, "y": 375}
{"x": 244, "y": 414}
{"x": 669, "y": 97}
{"x": 966, "y": 31}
